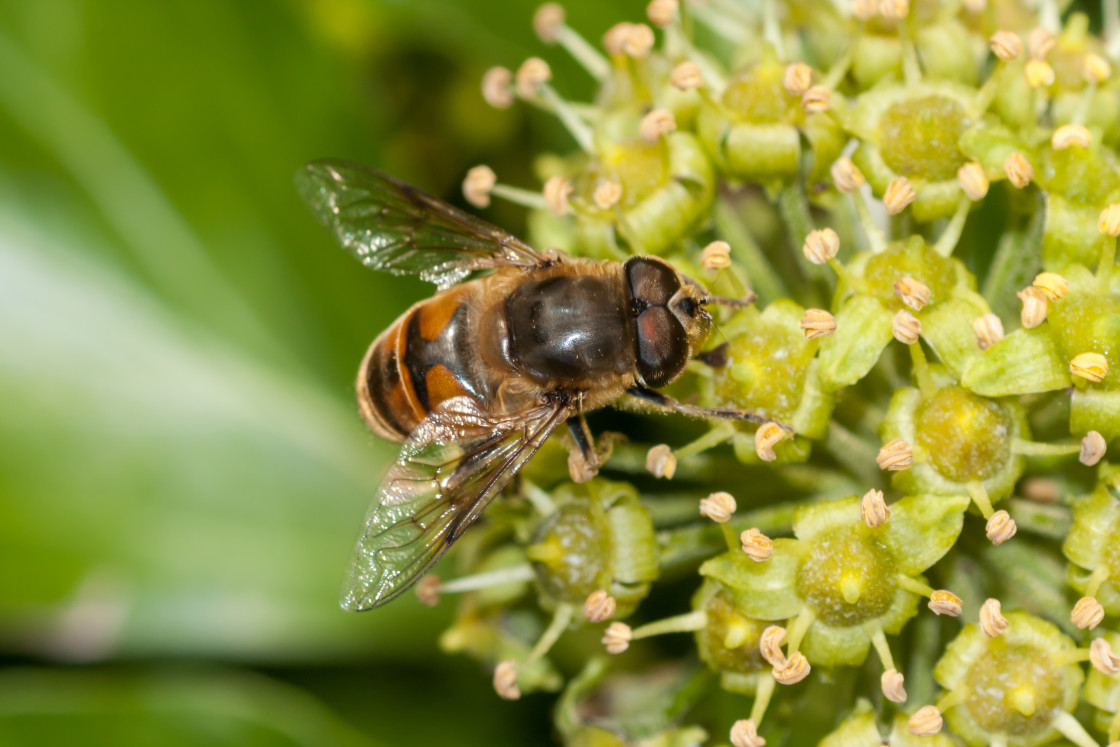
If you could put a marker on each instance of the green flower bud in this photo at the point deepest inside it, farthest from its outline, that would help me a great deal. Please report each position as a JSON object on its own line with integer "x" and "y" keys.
{"x": 957, "y": 437}
{"x": 1017, "y": 683}
{"x": 770, "y": 371}
{"x": 755, "y": 132}
{"x": 728, "y": 644}
{"x": 913, "y": 131}
{"x": 1091, "y": 545}
{"x": 599, "y": 538}
{"x": 844, "y": 572}
{"x": 1103, "y": 691}
{"x": 667, "y": 187}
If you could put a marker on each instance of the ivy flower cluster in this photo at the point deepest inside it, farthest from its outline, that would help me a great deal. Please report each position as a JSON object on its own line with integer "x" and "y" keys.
{"x": 925, "y": 197}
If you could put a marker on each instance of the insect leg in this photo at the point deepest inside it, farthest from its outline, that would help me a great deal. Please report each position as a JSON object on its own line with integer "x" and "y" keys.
{"x": 583, "y": 461}
{"x": 716, "y": 357}
{"x": 664, "y": 402}
{"x": 734, "y": 303}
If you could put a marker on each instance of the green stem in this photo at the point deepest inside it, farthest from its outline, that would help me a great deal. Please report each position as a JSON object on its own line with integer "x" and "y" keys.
{"x": 911, "y": 70}
{"x": 517, "y": 195}
{"x": 1072, "y": 729}
{"x": 879, "y": 641}
{"x": 1035, "y": 449}
{"x": 947, "y": 242}
{"x": 490, "y": 579}
{"x": 979, "y": 496}
{"x": 914, "y": 585}
{"x": 556, "y": 628}
{"x": 689, "y": 622}
{"x": 765, "y": 691}
{"x": 714, "y": 437}
{"x": 765, "y": 281}
{"x": 921, "y": 371}
{"x": 796, "y": 631}
{"x": 585, "y": 54}
{"x": 875, "y": 237}
{"x": 856, "y": 454}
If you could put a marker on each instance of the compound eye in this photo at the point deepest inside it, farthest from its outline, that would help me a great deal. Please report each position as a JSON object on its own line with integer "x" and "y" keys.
{"x": 651, "y": 282}
{"x": 662, "y": 346}
{"x": 688, "y": 306}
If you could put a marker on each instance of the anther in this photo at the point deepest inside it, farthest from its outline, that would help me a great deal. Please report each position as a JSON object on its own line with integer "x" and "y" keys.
{"x": 912, "y": 292}
{"x": 816, "y": 99}
{"x": 496, "y": 87}
{"x": 477, "y": 185}
{"x": 895, "y": 455}
{"x": 427, "y": 590}
{"x": 846, "y": 175}
{"x": 661, "y": 12}
{"x": 547, "y": 22}
{"x": 686, "y": 76}
{"x": 817, "y": 323}
{"x": 793, "y": 670}
{"x": 798, "y": 78}
{"x": 599, "y": 606}
{"x": 745, "y": 734}
{"x": 557, "y": 190}
{"x": 895, "y": 10}
{"x": 988, "y": 329}
{"x": 973, "y": 180}
{"x": 655, "y": 124}
{"x": 906, "y": 327}
{"x": 505, "y": 680}
{"x": 718, "y": 507}
{"x": 874, "y": 508}
{"x": 1006, "y": 45}
{"x": 898, "y": 195}
{"x": 892, "y": 685}
{"x": 925, "y": 722}
{"x": 1087, "y": 613}
{"x": 660, "y": 461}
{"x": 1103, "y": 658}
{"x": 1091, "y": 366}
{"x": 992, "y": 621}
{"x": 1095, "y": 68}
{"x": 533, "y": 73}
{"x": 1000, "y": 527}
{"x": 1092, "y": 448}
{"x": 756, "y": 545}
{"x": 821, "y": 245}
{"x": 1109, "y": 223}
{"x": 1052, "y": 284}
{"x": 945, "y": 602}
{"x": 1034, "y": 308}
{"x": 607, "y": 193}
{"x": 765, "y": 439}
{"x": 1018, "y": 171}
{"x": 716, "y": 256}
{"x": 770, "y": 645}
{"x": 1071, "y": 136}
{"x": 617, "y": 638}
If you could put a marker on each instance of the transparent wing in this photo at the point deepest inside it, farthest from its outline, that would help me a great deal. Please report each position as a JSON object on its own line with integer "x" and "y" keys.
{"x": 449, "y": 469}
{"x": 391, "y": 226}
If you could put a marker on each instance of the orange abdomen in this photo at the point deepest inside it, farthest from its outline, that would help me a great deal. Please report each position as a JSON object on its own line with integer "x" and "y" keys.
{"x": 425, "y": 357}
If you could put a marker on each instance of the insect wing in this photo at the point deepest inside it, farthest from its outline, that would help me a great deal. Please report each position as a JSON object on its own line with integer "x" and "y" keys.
{"x": 456, "y": 460}
{"x": 391, "y": 226}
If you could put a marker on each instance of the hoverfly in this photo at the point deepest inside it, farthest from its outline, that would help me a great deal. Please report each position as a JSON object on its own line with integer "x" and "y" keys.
{"x": 474, "y": 379}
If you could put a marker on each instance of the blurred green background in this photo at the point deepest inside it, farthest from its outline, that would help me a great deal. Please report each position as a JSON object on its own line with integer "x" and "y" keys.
{"x": 182, "y": 468}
